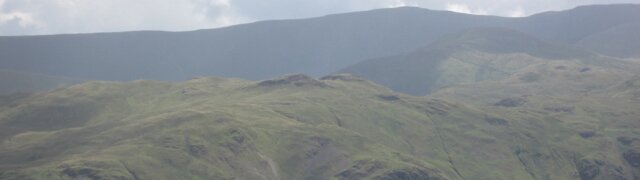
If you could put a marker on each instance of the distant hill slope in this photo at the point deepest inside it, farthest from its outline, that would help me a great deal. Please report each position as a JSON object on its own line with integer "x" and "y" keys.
{"x": 622, "y": 40}
{"x": 471, "y": 56}
{"x": 261, "y": 50}
{"x": 297, "y": 127}
{"x": 14, "y": 82}
{"x": 573, "y": 25}
{"x": 315, "y": 46}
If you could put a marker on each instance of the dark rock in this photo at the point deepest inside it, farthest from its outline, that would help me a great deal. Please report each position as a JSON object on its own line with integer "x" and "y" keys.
{"x": 496, "y": 121}
{"x": 626, "y": 140}
{"x": 632, "y": 157}
{"x": 237, "y": 136}
{"x": 361, "y": 169}
{"x": 587, "y": 134}
{"x": 588, "y": 169}
{"x": 366, "y": 169}
{"x": 81, "y": 173}
{"x": 389, "y": 97}
{"x": 297, "y": 80}
{"x": 342, "y": 77}
{"x": 12, "y": 175}
{"x": 565, "y": 109}
{"x": 586, "y": 69}
{"x": 407, "y": 174}
{"x": 616, "y": 173}
{"x": 198, "y": 150}
{"x": 530, "y": 77}
{"x": 511, "y": 102}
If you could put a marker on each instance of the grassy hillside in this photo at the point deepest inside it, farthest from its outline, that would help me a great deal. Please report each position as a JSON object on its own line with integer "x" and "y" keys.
{"x": 296, "y": 127}
{"x": 475, "y": 55}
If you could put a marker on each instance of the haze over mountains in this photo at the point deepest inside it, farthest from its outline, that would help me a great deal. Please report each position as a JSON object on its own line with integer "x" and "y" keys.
{"x": 472, "y": 56}
{"x": 316, "y": 46}
{"x": 403, "y": 93}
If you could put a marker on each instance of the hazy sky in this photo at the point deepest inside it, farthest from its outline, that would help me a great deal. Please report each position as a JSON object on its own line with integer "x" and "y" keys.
{"x": 27, "y": 17}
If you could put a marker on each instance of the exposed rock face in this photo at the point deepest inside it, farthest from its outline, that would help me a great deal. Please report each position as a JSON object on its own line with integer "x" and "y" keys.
{"x": 626, "y": 140}
{"x": 632, "y": 157}
{"x": 372, "y": 170}
{"x": 408, "y": 174}
{"x": 342, "y": 77}
{"x": 588, "y": 169}
{"x": 389, "y": 97}
{"x": 587, "y": 134}
{"x": 496, "y": 121}
{"x": 295, "y": 80}
{"x": 564, "y": 109}
{"x": 511, "y": 102}
{"x": 530, "y": 77}
{"x": 361, "y": 169}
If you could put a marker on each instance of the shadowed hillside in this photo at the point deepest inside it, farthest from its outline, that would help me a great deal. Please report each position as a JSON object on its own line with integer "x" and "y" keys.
{"x": 315, "y": 46}
{"x": 472, "y": 56}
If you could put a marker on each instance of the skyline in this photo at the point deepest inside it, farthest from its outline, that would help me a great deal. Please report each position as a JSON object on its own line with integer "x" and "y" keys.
{"x": 41, "y": 17}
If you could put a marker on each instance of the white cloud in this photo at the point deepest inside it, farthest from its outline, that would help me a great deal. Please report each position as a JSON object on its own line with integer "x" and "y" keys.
{"x": 518, "y": 12}
{"x": 223, "y": 3}
{"x": 463, "y": 8}
{"x": 23, "y": 19}
{"x": 82, "y": 16}
{"x": 400, "y": 3}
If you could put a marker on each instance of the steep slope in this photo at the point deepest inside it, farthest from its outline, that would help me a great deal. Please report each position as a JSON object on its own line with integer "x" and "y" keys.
{"x": 261, "y": 50}
{"x": 20, "y": 82}
{"x": 295, "y": 127}
{"x": 315, "y": 46}
{"x": 622, "y": 40}
{"x": 470, "y": 56}
{"x": 573, "y": 25}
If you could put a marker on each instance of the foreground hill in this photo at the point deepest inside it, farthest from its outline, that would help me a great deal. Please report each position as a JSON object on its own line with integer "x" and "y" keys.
{"x": 315, "y": 46}
{"x": 296, "y": 127}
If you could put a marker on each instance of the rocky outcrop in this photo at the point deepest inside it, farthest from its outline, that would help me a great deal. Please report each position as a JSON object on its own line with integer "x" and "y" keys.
{"x": 342, "y": 77}
{"x": 298, "y": 80}
{"x": 632, "y": 157}
{"x": 511, "y": 102}
{"x": 371, "y": 169}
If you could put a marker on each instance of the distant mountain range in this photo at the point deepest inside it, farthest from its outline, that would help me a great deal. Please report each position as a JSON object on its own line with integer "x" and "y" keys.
{"x": 315, "y": 46}
{"x": 551, "y": 96}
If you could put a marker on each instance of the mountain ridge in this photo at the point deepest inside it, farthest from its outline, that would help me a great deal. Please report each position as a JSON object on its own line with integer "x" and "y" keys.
{"x": 316, "y": 46}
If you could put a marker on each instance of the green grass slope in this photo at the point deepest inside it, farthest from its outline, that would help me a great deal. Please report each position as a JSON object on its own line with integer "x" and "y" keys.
{"x": 296, "y": 127}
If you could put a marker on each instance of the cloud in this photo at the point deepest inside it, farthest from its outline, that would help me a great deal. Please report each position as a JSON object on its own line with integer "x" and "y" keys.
{"x": 400, "y": 3}
{"x": 81, "y": 16}
{"x": 463, "y": 8}
{"x": 23, "y": 19}
{"x": 223, "y": 3}
{"x": 518, "y": 12}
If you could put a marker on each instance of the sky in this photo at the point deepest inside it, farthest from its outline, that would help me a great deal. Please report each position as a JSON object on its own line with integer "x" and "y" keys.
{"x": 37, "y": 17}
